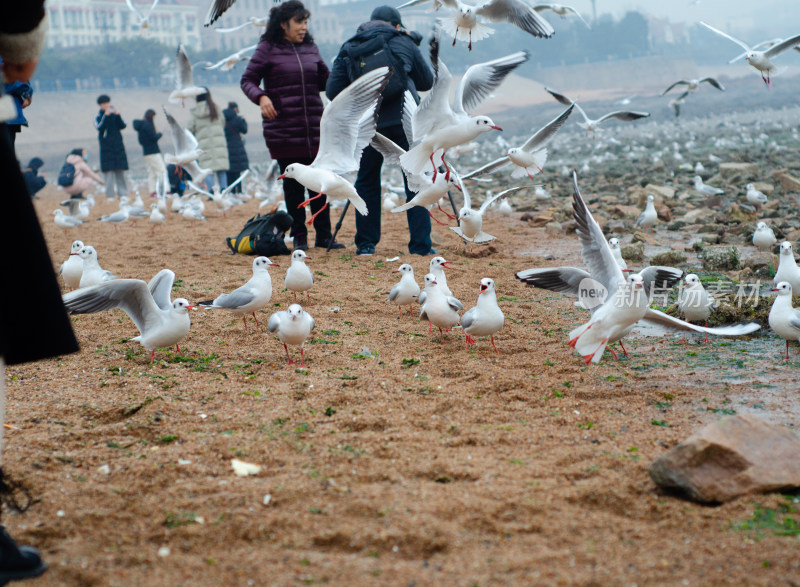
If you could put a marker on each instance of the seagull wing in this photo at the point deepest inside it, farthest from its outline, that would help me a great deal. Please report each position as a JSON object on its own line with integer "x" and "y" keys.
{"x": 683, "y": 82}
{"x": 469, "y": 317}
{"x": 594, "y": 248}
{"x": 149, "y": 12}
{"x": 235, "y": 28}
{"x": 390, "y": 150}
{"x": 567, "y": 102}
{"x": 184, "y": 65}
{"x": 713, "y": 82}
{"x": 236, "y": 299}
{"x": 454, "y": 304}
{"x": 657, "y": 277}
{"x": 198, "y": 189}
{"x": 663, "y": 319}
{"x": 623, "y": 115}
{"x": 434, "y": 110}
{"x": 275, "y": 321}
{"x": 547, "y": 132}
{"x": 503, "y": 161}
{"x": 407, "y": 116}
{"x": 217, "y": 9}
{"x": 160, "y": 287}
{"x": 135, "y": 10}
{"x": 483, "y": 78}
{"x": 518, "y": 13}
{"x": 130, "y": 295}
{"x": 239, "y": 180}
{"x": 782, "y": 46}
{"x": 504, "y": 194}
{"x": 727, "y": 36}
{"x": 561, "y": 279}
{"x": 342, "y": 127}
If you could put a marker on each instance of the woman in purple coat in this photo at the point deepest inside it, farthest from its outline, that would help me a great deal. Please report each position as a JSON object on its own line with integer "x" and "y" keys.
{"x": 285, "y": 77}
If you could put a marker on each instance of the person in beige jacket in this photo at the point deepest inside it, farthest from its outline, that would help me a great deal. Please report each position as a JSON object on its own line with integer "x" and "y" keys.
{"x": 208, "y": 126}
{"x": 84, "y": 176}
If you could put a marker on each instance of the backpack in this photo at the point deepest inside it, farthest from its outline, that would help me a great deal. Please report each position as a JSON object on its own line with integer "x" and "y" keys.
{"x": 363, "y": 56}
{"x": 66, "y": 176}
{"x": 262, "y": 235}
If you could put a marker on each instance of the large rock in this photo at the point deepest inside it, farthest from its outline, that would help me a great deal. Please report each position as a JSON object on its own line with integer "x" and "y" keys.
{"x": 669, "y": 258}
{"x": 623, "y": 211}
{"x": 699, "y": 216}
{"x": 735, "y": 172}
{"x": 633, "y": 253}
{"x": 789, "y": 182}
{"x": 721, "y": 258}
{"x": 734, "y": 456}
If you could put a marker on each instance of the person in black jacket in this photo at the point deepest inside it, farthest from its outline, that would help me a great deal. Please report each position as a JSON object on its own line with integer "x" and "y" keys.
{"x": 113, "y": 160}
{"x": 408, "y": 62}
{"x": 148, "y": 139}
{"x": 33, "y": 181}
{"x": 235, "y": 127}
{"x": 34, "y": 326}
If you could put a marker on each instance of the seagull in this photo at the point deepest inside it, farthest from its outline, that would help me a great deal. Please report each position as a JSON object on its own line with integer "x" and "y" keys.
{"x": 346, "y": 128}
{"x": 406, "y": 291}
{"x": 676, "y": 104}
{"x": 465, "y": 24}
{"x": 486, "y": 318}
{"x": 604, "y": 278}
{"x": 253, "y": 21}
{"x": 427, "y": 191}
{"x": 695, "y": 304}
{"x": 560, "y": 10}
{"x": 144, "y": 19}
{"x": 470, "y": 221}
{"x": 223, "y": 200}
{"x": 760, "y": 59}
{"x": 161, "y": 323}
{"x": 762, "y": 45}
{"x": 754, "y": 196}
{"x": 591, "y": 125}
{"x": 706, "y": 189}
{"x": 118, "y": 217}
{"x": 187, "y": 150}
{"x": 293, "y": 326}
{"x": 616, "y": 250}
{"x": 64, "y": 221}
{"x": 531, "y": 156}
{"x": 787, "y": 267}
{"x": 78, "y": 209}
{"x": 299, "y": 277}
{"x": 92, "y": 273}
{"x": 185, "y": 87}
{"x": 693, "y": 84}
{"x": 783, "y": 318}
{"x": 438, "y": 308}
{"x": 438, "y": 126}
{"x": 437, "y": 267}
{"x": 649, "y": 216}
{"x": 230, "y": 61}
{"x": 72, "y": 269}
{"x": 252, "y": 296}
{"x": 763, "y": 237}
{"x": 156, "y": 216}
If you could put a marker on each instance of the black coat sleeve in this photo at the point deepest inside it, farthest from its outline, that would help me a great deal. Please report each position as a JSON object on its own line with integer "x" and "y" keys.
{"x": 338, "y": 79}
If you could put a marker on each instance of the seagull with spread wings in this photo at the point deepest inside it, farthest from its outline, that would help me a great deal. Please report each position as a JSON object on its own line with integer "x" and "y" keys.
{"x": 693, "y": 84}
{"x": 230, "y": 61}
{"x": 592, "y": 125}
{"x": 144, "y": 19}
{"x": 187, "y": 150}
{"x": 184, "y": 87}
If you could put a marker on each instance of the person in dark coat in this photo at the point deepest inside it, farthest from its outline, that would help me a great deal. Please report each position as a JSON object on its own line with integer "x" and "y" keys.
{"x": 385, "y": 23}
{"x": 235, "y": 127}
{"x": 148, "y": 139}
{"x": 22, "y": 94}
{"x": 24, "y": 319}
{"x": 33, "y": 181}
{"x": 113, "y": 160}
{"x": 293, "y": 73}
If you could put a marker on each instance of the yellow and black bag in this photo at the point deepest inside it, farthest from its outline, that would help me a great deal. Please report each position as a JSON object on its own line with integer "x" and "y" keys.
{"x": 262, "y": 235}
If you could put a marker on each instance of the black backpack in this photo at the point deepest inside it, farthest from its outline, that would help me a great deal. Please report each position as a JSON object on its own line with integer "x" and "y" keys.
{"x": 262, "y": 235}
{"x": 363, "y": 56}
{"x": 66, "y": 177}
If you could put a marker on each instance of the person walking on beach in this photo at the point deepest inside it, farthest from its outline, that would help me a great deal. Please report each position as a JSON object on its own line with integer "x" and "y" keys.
{"x": 384, "y": 32}
{"x": 235, "y": 127}
{"x": 113, "y": 160}
{"x": 284, "y": 77}
{"x": 148, "y": 139}
{"x": 208, "y": 126}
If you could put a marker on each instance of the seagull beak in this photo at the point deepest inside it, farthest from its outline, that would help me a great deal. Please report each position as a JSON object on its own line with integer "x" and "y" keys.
{"x": 638, "y": 286}
{"x": 627, "y": 270}
{"x": 307, "y": 257}
{"x": 446, "y": 264}
{"x": 191, "y": 307}
{"x": 396, "y": 271}
{"x": 282, "y": 176}
{"x": 775, "y": 289}
{"x": 73, "y": 254}
{"x": 458, "y": 187}
{"x": 484, "y": 288}
{"x": 274, "y": 265}
{"x": 495, "y": 127}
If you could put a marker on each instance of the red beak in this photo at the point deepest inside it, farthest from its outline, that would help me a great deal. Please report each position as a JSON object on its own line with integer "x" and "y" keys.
{"x": 775, "y": 289}
{"x": 445, "y": 264}
{"x": 282, "y": 176}
{"x": 396, "y": 271}
{"x": 627, "y": 270}
{"x": 274, "y": 265}
{"x": 458, "y": 187}
{"x": 495, "y": 127}
{"x": 190, "y": 307}
{"x": 638, "y": 286}
{"x": 484, "y": 288}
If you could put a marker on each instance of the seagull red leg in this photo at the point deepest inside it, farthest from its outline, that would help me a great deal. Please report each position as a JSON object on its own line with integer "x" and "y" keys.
{"x": 494, "y": 345}
{"x": 623, "y": 349}
{"x": 435, "y": 170}
{"x": 787, "y": 350}
{"x": 244, "y": 317}
{"x": 256, "y": 319}
{"x": 179, "y": 348}
{"x": 436, "y": 219}
{"x": 153, "y": 354}
{"x": 315, "y": 214}
{"x": 286, "y": 348}
{"x": 450, "y": 216}
{"x": 305, "y": 203}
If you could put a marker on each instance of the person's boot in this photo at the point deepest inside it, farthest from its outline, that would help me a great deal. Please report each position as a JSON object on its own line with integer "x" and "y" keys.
{"x": 18, "y": 562}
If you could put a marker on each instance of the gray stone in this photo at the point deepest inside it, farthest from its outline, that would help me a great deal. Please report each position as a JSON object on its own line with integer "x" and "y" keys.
{"x": 553, "y": 228}
{"x": 698, "y": 216}
{"x": 669, "y": 258}
{"x": 633, "y": 252}
{"x": 733, "y": 172}
{"x": 734, "y": 456}
{"x": 721, "y": 258}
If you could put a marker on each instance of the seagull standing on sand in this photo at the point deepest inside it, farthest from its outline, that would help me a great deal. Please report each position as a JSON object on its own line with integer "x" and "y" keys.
{"x": 592, "y": 125}
{"x": 763, "y": 237}
{"x": 706, "y": 189}
{"x": 299, "y": 277}
{"x": 406, "y": 291}
{"x": 783, "y": 318}
{"x": 118, "y": 217}
{"x": 438, "y": 126}
{"x": 787, "y": 267}
{"x": 439, "y": 309}
{"x": 293, "y": 326}
{"x": 616, "y": 250}
{"x": 156, "y": 216}
{"x": 92, "y": 273}
{"x": 760, "y": 59}
{"x": 695, "y": 304}
{"x": 437, "y": 267}
{"x": 346, "y": 128}
{"x": 486, "y": 318}
{"x": 252, "y": 296}
{"x": 161, "y": 323}
{"x": 64, "y": 221}
{"x": 648, "y": 218}
{"x": 72, "y": 269}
